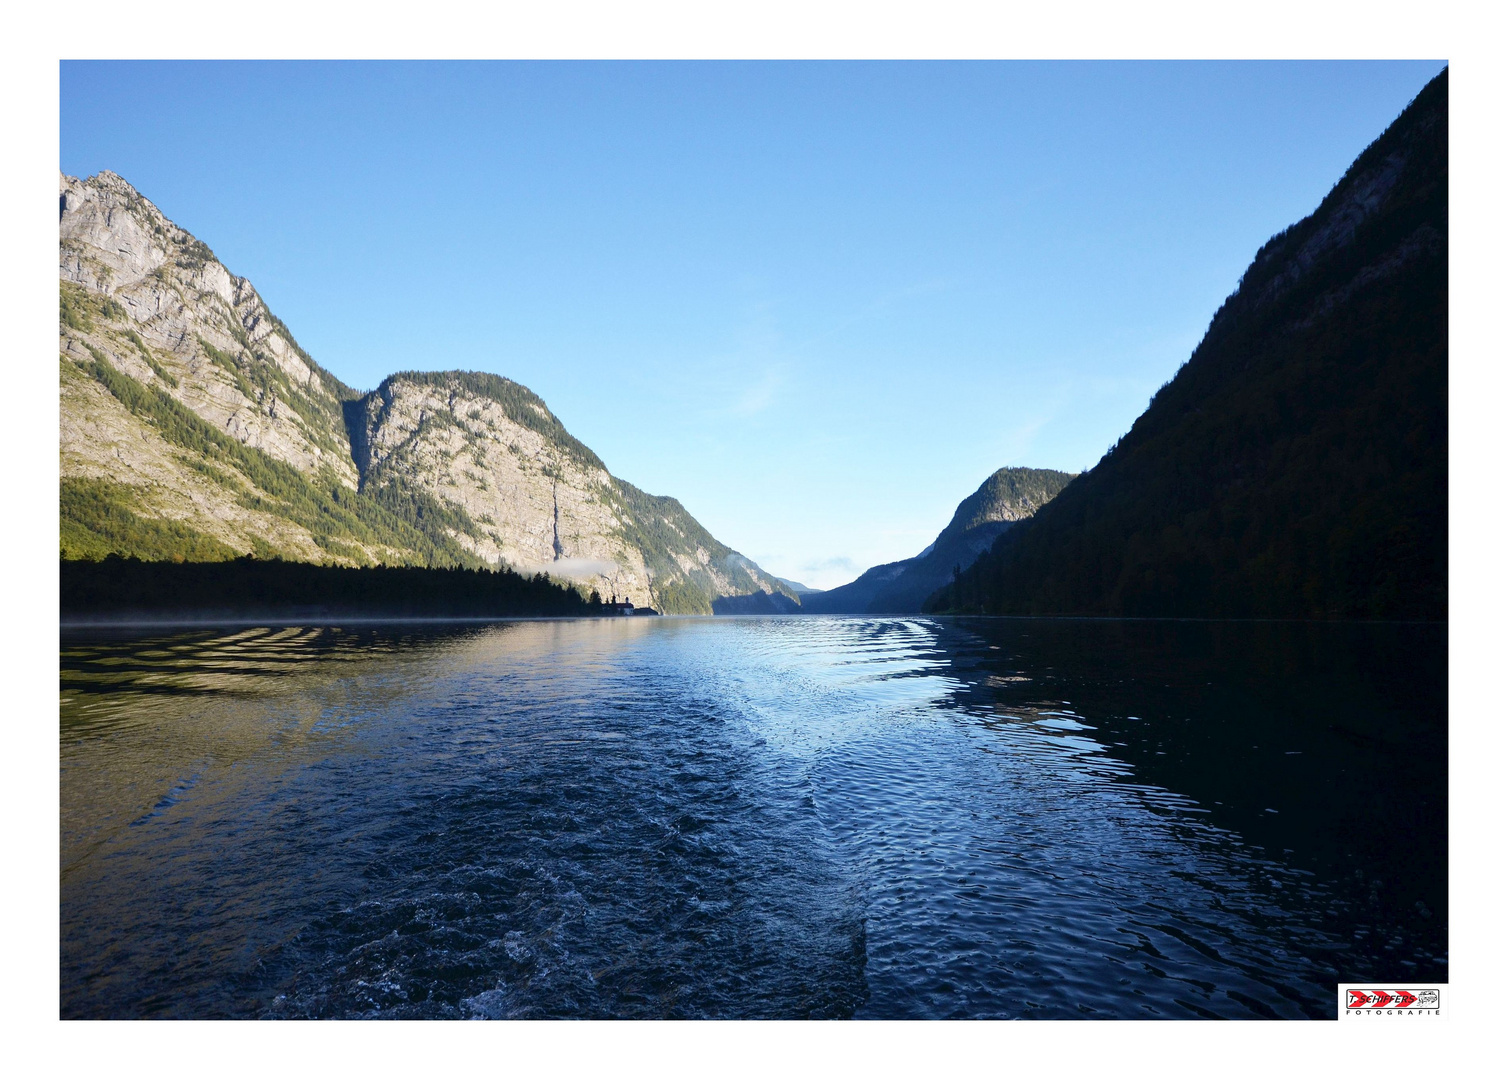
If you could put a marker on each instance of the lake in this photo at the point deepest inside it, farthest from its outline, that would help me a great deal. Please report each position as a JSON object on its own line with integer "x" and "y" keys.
{"x": 750, "y": 817}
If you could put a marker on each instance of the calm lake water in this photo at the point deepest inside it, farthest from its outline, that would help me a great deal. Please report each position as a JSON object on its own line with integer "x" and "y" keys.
{"x": 780, "y": 817}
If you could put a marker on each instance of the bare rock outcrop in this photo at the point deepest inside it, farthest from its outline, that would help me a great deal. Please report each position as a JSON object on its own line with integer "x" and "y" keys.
{"x": 168, "y": 314}
{"x": 531, "y": 496}
{"x": 185, "y": 402}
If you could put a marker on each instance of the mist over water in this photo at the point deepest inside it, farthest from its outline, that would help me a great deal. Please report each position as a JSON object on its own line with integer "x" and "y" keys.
{"x": 760, "y": 817}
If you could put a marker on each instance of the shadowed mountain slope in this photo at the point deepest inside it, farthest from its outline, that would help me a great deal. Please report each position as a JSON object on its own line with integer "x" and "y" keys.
{"x": 1296, "y": 464}
{"x": 1008, "y": 497}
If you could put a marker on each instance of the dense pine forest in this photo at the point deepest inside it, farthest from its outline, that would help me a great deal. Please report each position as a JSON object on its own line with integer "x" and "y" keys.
{"x": 1296, "y": 465}
{"x": 245, "y": 587}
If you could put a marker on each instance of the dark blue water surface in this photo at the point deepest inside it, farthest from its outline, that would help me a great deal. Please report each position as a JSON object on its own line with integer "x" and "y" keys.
{"x": 780, "y": 817}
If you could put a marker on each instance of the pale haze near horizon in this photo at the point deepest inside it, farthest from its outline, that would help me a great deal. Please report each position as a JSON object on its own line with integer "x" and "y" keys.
{"x": 816, "y": 302}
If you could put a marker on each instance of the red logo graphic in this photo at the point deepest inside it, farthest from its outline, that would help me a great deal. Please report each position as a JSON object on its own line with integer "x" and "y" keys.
{"x": 1392, "y": 999}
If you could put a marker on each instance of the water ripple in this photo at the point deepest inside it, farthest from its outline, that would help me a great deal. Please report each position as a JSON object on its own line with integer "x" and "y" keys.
{"x": 793, "y": 817}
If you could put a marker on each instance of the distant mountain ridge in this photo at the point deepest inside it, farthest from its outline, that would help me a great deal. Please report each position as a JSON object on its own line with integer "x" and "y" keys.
{"x": 1006, "y": 498}
{"x": 193, "y": 427}
{"x": 1296, "y": 466}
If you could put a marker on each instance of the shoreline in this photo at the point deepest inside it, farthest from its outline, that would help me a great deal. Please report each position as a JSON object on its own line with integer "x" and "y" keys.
{"x": 325, "y": 619}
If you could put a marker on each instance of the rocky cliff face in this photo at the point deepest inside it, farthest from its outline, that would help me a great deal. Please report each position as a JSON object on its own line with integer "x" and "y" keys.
{"x": 530, "y": 495}
{"x": 194, "y": 426}
{"x": 526, "y": 499}
{"x": 173, "y": 317}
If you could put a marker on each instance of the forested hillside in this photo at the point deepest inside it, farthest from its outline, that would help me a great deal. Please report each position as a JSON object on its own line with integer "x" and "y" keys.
{"x": 1296, "y": 464}
{"x": 1006, "y": 498}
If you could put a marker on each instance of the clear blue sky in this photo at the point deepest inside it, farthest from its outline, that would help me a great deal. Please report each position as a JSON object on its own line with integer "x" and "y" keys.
{"x": 816, "y": 302}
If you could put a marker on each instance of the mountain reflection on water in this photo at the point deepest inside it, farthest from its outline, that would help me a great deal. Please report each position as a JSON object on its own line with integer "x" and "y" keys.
{"x": 762, "y": 817}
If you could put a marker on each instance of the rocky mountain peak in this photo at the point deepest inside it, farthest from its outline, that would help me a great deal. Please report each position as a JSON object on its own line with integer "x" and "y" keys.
{"x": 1009, "y": 494}
{"x": 194, "y": 426}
